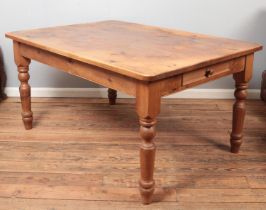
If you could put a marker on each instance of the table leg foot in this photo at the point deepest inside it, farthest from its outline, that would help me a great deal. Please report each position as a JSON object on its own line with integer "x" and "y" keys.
{"x": 112, "y": 95}
{"x": 27, "y": 119}
{"x": 146, "y": 194}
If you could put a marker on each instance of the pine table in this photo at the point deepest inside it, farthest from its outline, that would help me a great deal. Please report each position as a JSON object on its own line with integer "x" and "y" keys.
{"x": 143, "y": 61}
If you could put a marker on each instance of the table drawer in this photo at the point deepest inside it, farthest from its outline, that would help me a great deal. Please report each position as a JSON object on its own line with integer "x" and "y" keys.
{"x": 213, "y": 72}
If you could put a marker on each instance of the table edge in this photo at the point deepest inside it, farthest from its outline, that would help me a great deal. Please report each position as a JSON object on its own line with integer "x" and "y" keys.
{"x": 131, "y": 74}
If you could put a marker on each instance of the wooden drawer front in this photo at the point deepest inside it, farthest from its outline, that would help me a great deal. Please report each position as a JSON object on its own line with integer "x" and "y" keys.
{"x": 213, "y": 72}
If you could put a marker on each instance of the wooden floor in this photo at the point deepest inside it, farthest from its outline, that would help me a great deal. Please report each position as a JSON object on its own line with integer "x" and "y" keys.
{"x": 83, "y": 154}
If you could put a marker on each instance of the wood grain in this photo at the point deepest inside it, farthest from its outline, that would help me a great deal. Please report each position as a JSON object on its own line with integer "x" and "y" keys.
{"x": 146, "y": 62}
{"x": 48, "y": 204}
{"x": 138, "y": 51}
{"x": 99, "y": 170}
{"x": 89, "y": 72}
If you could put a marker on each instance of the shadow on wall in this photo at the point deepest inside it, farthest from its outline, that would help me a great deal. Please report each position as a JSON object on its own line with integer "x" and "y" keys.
{"x": 255, "y": 30}
{"x": 2, "y": 77}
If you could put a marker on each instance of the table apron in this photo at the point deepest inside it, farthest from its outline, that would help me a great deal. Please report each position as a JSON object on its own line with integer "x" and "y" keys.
{"x": 126, "y": 84}
{"x": 83, "y": 70}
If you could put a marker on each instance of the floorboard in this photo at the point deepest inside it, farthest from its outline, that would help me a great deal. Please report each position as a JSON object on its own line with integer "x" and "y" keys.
{"x": 83, "y": 154}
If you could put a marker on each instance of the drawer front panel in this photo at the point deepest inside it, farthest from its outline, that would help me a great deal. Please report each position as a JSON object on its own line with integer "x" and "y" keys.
{"x": 212, "y": 72}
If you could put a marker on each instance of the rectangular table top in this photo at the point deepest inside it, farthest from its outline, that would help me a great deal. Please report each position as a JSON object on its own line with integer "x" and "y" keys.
{"x": 138, "y": 51}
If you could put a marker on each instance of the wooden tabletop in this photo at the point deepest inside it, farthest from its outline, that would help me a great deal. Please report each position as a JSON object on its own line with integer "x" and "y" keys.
{"x": 138, "y": 51}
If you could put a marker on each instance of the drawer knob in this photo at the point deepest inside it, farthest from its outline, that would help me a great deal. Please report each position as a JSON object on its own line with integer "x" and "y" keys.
{"x": 208, "y": 72}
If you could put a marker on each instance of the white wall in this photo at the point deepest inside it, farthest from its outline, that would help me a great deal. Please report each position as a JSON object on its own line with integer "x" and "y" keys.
{"x": 245, "y": 20}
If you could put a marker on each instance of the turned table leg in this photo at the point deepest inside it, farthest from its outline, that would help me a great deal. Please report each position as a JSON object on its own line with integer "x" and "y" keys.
{"x": 147, "y": 158}
{"x": 24, "y": 89}
{"x": 239, "y": 108}
{"x": 112, "y": 95}
{"x": 148, "y": 107}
